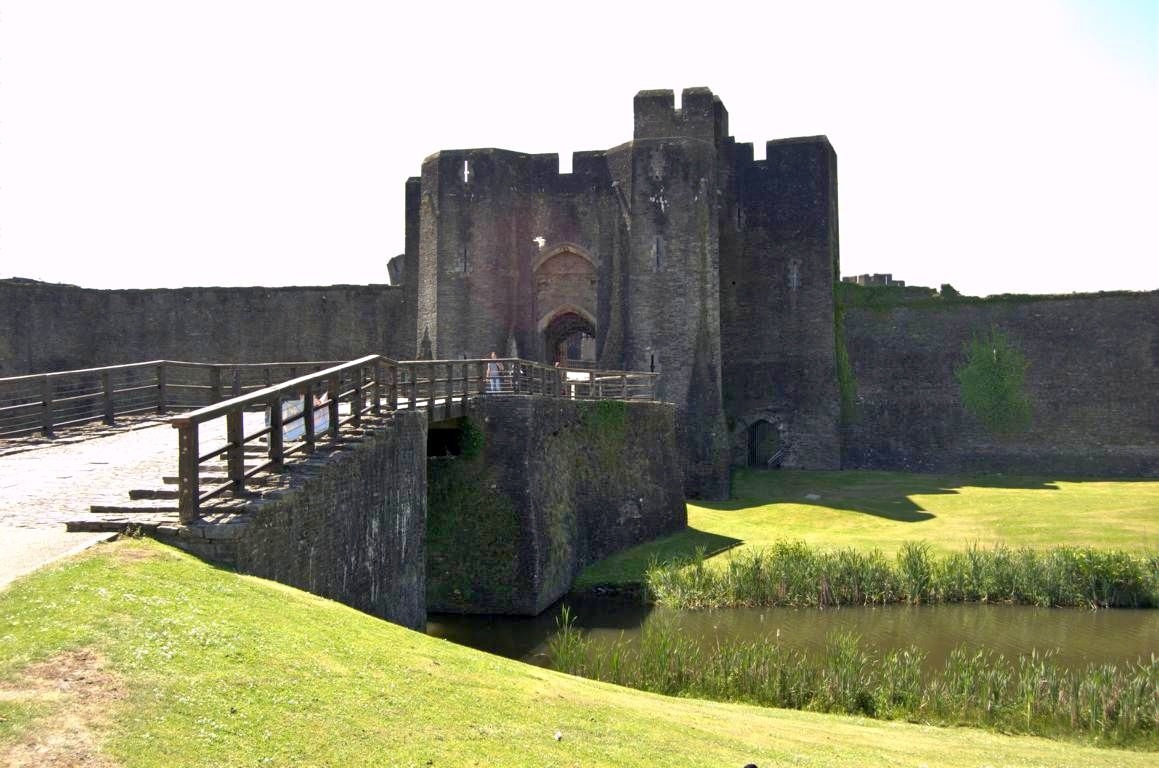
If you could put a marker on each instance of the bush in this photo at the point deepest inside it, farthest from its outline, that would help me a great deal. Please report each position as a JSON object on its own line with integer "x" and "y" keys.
{"x": 992, "y": 384}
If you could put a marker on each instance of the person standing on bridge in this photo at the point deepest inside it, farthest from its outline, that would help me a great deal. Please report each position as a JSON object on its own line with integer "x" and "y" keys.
{"x": 494, "y": 372}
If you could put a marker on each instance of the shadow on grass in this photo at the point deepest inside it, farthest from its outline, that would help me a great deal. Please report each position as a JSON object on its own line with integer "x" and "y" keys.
{"x": 627, "y": 568}
{"x": 525, "y": 637}
{"x": 882, "y": 494}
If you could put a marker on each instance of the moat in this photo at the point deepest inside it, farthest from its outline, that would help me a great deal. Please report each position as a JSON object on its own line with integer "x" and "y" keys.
{"x": 1079, "y": 637}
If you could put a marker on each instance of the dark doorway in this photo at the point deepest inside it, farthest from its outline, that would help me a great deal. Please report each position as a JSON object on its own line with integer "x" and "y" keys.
{"x": 569, "y": 337}
{"x": 445, "y": 439}
{"x": 764, "y": 445}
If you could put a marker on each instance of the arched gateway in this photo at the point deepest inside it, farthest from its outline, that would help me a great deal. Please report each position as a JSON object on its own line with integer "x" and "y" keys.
{"x": 569, "y": 334}
{"x": 565, "y": 298}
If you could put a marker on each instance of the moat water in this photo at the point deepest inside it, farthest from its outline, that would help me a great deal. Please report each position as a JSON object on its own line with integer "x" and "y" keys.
{"x": 1079, "y": 637}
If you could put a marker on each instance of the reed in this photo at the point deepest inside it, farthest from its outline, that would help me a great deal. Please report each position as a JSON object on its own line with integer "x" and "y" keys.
{"x": 1032, "y": 694}
{"x": 796, "y": 574}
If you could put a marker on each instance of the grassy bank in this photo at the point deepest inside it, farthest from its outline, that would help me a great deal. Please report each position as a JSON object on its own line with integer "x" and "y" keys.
{"x": 796, "y": 574}
{"x": 139, "y": 656}
{"x": 884, "y": 510}
{"x": 1104, "y": 704}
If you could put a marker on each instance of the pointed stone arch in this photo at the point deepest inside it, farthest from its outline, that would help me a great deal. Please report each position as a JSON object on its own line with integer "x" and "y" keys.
{"x": 549, "y": 252}
{"x": 759, "y": 436}
{"x": 565, "y": 298}
{"x": 564, "y": 323}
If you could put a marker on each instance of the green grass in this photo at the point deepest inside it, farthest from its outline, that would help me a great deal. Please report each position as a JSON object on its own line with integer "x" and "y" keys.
{"x": 225, "y": 670}
{"x": 629, "y": 566}
{"x": 884, "y": 510}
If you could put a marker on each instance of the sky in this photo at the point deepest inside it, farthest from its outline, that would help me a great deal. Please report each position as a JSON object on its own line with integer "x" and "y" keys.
{"x": 999, "y": 147}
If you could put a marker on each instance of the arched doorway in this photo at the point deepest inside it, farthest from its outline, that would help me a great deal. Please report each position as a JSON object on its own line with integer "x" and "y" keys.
{"x": 764, "y": 444}
{"x": 565, "y": 302}
{"x": 569, "y": 336}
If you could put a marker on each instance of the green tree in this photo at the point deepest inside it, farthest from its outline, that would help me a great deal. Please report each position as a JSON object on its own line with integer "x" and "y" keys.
{"x": 992, "y": 383}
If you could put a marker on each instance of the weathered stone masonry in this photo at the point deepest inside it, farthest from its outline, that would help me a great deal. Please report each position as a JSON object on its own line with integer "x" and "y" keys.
{"x": 677, "y": 251}
{"x": 1092, "y": 378}
{"x": 350, "y": 525}
{"x": 45, "y": 327}
{"x": 552, "y": 485}
{"x": 545, "y": 487}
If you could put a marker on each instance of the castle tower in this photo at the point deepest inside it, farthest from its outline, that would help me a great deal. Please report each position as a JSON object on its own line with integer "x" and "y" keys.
{"x": 674, "y": 253}
{"x": 777, "y": 317}
{"x": 673, "y": 295}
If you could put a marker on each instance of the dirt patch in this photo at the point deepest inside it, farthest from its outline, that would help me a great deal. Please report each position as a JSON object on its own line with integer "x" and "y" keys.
{"x": 80, "y": 692}
{"x": 126, "y": 550}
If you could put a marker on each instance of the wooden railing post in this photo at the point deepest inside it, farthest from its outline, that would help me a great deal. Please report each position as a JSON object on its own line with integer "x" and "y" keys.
{"x": 107, "y": 389}
{"x": 450, "y": 389}
{"x": 332, "y": 405}
{"x": 162, "y": 389}
{"x": 623, "y": 386}
{"x": 376, "y": 389}
{"x": 46, "y": 406}
{"x": 235, "y": 454}
{"x": 187, "y": 473}
{"x": 356, "y": 401}
{"x": 277, "y": 446}
{"x": 308, "y": 417}
{"x": 392, "y": 385}
{"x": 413, "y": 386}
{"x": 214, "y": 384}
{"x": 236, "y": 382}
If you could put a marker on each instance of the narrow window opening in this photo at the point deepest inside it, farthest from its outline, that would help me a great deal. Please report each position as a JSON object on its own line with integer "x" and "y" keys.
{"x": 739, "y": 218}
{"x": 466, "y": 171}
{"x": 658, "y": 250}
{"x": 794, "y": 274}
{"x": 652, "y": 364}
{"x": 464, "y": 260}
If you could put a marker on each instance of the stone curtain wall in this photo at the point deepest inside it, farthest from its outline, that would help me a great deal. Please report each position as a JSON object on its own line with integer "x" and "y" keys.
{"x": 46, "y": 327}
{"x": 543, "y": 488}
{"x": 350, "y": 525}
{"x": 1092, "y": 379}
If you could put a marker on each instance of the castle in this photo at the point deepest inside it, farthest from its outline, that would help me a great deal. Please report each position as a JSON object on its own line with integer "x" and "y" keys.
{"x": 675, "y": 252}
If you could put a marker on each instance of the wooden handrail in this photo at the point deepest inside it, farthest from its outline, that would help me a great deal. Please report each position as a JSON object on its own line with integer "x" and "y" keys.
{"x": 262, "y": 396}
{"x": 435, "y": 385}
{"x": 83, "y": 371}
{"x": 173, "y": 363}
{"x": 328, "y": 380}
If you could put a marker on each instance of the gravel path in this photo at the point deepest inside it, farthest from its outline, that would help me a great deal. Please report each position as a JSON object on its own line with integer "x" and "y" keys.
{"x": 45, "y": 483}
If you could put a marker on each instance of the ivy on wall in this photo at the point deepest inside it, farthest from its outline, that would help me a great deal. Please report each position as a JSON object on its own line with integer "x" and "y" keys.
{"x": 846, "y": 382}
{"x": 992, "y": 383}
{"x": 472, "y": 529}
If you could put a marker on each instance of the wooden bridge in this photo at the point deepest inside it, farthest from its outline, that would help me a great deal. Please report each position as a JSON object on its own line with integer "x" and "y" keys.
{"x": 237, "y": 421}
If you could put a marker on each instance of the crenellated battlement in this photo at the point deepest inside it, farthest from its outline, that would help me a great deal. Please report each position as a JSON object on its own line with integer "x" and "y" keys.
{"x": 701, "y": 115}
{"x": 487, "y": 168}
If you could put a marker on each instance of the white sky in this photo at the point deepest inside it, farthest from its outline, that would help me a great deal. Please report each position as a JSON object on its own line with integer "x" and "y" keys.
{"x": 999, "y": 147}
